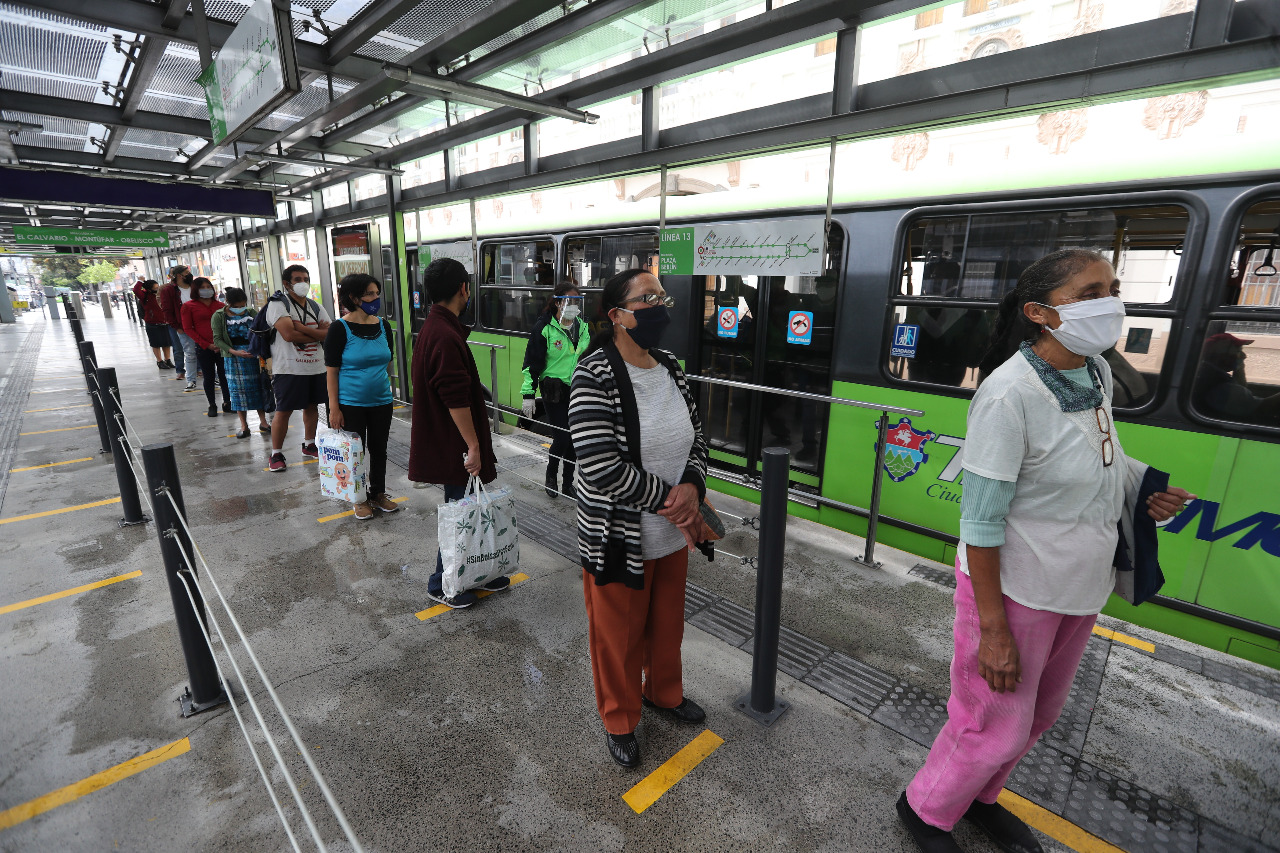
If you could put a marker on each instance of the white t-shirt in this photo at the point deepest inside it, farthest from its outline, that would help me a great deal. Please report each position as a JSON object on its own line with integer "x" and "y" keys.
{"x": 185, "y": 293}
{"x": 1060, "y": 534}
{"x": 666, "y": 437}
{"x": 301, "y": 359}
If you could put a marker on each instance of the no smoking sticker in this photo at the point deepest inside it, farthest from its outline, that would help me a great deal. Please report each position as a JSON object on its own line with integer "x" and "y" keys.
{"x": 727, "y": 322}
{"x": 800, "y": 328}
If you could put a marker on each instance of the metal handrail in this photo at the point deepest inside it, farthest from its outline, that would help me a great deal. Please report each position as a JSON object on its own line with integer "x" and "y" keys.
{"x": 483, "y": 344}
{"x": 805, "y": 395}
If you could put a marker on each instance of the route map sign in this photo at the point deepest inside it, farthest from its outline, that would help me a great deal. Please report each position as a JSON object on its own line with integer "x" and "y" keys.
{"x": 255, "y": 71}
{"x": 760, "y": 247}
{"x": 460, "y": 251}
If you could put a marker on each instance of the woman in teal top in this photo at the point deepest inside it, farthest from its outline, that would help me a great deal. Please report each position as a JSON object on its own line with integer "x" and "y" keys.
{"x": 357, "y": 350}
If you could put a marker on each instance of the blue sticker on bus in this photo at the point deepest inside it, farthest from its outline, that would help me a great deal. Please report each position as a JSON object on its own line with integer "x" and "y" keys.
{"x": 905, "y": 336}
{"x": 727, "y": 322}
{"x": 800, "y": 328}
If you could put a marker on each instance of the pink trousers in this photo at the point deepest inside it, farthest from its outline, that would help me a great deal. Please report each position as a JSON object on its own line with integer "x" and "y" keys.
{"x": 988, "y": 733}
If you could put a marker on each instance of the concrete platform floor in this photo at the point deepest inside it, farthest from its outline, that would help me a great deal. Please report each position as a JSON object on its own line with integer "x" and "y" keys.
{"x": 476, "y": 730}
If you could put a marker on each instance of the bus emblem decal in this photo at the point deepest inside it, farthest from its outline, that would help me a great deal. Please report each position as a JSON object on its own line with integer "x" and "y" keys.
{"x": 904, "y": 450}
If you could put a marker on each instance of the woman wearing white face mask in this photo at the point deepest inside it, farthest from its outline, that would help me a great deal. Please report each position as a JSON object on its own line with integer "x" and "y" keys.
{"x": 1045, "y": 482}
{"x": 559, "y": 339}
{"x": 197, "y": 323}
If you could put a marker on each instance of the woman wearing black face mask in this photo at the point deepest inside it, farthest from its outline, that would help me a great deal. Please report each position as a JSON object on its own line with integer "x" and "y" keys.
{"x": 642, "y": 468}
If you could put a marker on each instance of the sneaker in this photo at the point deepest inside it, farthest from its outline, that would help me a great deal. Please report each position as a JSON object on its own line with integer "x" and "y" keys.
{"x": 497, "y": 584}
{"x": 384, "y": 503}
{"x": 191, "y": 386}
{"x": 277, "y": 463}
{"x": 161, "y": 365}
{"x": 309, "y": 450}
{"x": 364, "y": 512}
{"x": 459, "y": 601}
{"x": 213, "y": 411}
{"x": 226, "y": 407}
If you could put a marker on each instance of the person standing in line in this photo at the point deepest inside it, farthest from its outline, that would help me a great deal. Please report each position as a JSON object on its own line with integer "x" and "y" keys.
{"x": 175, "y": 293}
{"x": 146, "y": 293}
{"x": 357, "y": 351}
{"x": 450, "y": 441}
{"x": 559, "y": 339}
{"x": 297, "y": 362}
{"x": 197, "y": 323}
{"x": 641, "y": 479}
{"x": 231, "y": 335}
{"x": 1045, "y": 484}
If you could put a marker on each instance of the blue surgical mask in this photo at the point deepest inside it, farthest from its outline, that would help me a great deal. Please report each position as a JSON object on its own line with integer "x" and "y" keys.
{"x": 240, "y": 310}
{"x": 372, "y": 306}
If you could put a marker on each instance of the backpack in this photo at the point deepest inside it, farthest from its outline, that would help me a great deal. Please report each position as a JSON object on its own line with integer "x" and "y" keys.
{"x": 262, "y": 334}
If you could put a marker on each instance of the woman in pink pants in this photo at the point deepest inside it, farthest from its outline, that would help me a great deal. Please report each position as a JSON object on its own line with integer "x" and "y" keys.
{"x": 1044, "y": 488}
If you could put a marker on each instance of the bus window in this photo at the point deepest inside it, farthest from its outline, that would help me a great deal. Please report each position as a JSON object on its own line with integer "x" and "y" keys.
{"x": 515, "y": 283}
{"x": 956, "y": 269}
{"x": 591, "y": 261}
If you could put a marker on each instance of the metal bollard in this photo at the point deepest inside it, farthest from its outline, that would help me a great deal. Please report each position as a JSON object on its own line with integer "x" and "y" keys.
{"x": 128, "y": 306}
{"x": 161, "y": 468}
{"x": 877, "y": 476}
{"x": 110, "y": 391}
{"x": 761, "y": 703}
{"x": 74, "y": 318}
{"x": 87, "y": 361}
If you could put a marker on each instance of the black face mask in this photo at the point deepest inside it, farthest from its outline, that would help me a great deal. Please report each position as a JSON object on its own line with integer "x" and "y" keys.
{"x": 186, "y": 279}
{"x": 650, "y": 324}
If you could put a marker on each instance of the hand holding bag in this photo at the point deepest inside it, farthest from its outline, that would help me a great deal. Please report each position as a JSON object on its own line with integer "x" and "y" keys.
{"x": 478, "y": 537}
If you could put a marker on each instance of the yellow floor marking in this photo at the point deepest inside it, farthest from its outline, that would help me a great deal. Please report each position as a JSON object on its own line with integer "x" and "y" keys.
{"x": 57, "y": 408}
{"x": 546, "y": 445}
{"x": 424, "y": 615}
{"x": 31, "y": 602}
{"x": 650, "y": 788}
{"x": 58, "y": 511}
{"x": 1117, "y": 637}
{"x": 1057, "y": 828}
{"x": 50, "y": 464}
{"x": 396, "y": 408}
{"x": 76, "y": 790}
{"x": 64, "y": 429}
{"x": 350, "y": 511}
{"x": 303, "y": 462}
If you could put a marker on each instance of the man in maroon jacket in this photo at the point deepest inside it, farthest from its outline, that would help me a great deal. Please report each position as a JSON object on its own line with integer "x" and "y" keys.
{"x": 449, "y": 418}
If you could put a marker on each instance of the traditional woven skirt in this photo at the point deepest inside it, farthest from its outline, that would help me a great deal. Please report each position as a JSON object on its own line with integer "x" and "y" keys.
{"x": 245, "y": 384}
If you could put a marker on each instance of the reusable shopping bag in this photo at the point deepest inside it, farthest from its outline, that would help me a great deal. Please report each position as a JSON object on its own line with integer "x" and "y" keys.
{"x": 478, "y": 537}
{"x": 342, "y": 468}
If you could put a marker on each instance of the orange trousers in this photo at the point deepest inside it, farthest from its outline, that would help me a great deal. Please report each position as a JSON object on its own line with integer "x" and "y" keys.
{"x": 635, "y": 634}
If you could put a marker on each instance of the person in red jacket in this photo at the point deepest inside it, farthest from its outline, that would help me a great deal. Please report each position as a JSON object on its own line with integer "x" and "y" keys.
{"x": 449, "y": 418}
{"x": 197, "y": 323}
{"x": 153, "y": 316}
{"x": 172, "y": 297}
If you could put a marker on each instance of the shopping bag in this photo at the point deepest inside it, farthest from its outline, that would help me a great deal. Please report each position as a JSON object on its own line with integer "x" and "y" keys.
{"x": 342, "y": 468}
{"x": 478, "y": 537}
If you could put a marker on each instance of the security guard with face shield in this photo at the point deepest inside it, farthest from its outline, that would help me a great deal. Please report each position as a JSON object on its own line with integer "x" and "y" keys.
{"x": 560, "y": 337}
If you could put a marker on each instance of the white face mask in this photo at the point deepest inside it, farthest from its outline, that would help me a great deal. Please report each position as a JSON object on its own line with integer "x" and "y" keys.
{"x": 1090, "y": 327}
{"x": 568, "y": 314}
{"x": 301, "y": 289}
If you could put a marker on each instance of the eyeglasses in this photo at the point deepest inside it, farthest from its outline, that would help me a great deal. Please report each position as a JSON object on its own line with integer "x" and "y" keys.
{"x": 654, "y": 300}
{"x": 1104, "y": 426}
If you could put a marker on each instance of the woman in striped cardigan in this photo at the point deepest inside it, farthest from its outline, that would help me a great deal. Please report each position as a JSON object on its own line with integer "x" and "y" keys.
{"x": 641, "y": 478}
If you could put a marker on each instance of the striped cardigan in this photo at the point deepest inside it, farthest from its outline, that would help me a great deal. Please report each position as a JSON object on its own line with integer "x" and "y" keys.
{"x": 612, "y": 488}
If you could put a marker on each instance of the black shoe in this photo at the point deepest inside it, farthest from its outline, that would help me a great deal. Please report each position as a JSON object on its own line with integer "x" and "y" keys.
{"x": 497, "y": 584}
{"x": 928, "y": 838}
{"x": 1005, "y": 828}
{"x": 161, "y": 365}
{"x": 168, "y": 365}
{"x": 624, "y": 749}
{"x": 266, "y": 428}
{"x": 213, "y": 411}
{"x": 687, "y": 711}
{"x": 551, "y": 480}
{"x": 567, "y": 480}
{"x": 459, "y": 601}
{"x": 244, "y": 433}
{"x": 226, "y": 407}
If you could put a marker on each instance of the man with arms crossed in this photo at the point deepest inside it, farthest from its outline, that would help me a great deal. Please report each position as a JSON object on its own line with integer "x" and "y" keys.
{"x": 297, "y": 362}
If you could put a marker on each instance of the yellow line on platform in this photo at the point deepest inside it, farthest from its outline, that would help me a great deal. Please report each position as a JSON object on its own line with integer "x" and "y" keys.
{"x": 1059, "y": 829}
{"x": 48, "y": 512}
{"x": 50, "y": 465}
{"x": 303, "y": 462}
{"x": 64, "y": 429}
{"x": 350, "y": 511}
{"x": 650, "y": 788}
{"x": 1117, "y": 637}
{"x": 57, "y": 408}
{"x": 31, "y": 602}
{"x": 424, "y": 615}
{"x": 97, "y": 781}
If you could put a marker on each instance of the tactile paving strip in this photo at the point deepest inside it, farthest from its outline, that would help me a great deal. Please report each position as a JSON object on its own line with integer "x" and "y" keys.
{"x": 398, "y": 453}
{"x": 851, "y": 682}
{"x": 1069, "y": 732}
{"x": 696, "y": 598}
{"x": 797, "y": 654}
{"x": 912, "y": 712}
{"x": 547, "y": 531}
{"x": 1239, "y": 678}
{"x": 1044, "y": 777}
{"x": 17, "y": 388}
{"x": 1218, "y": 839}
{"x": 1126, "y": 815}
{"x": 524, "y": 460}
{"x": 938, "y": 576}
{"x": 726, "y": 620}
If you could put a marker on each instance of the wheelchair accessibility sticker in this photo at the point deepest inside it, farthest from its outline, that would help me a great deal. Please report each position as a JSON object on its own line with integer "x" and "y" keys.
{"x": 727, "y": 322}
{"x": 800, "y": 328}
{"x": 905, "y": 337}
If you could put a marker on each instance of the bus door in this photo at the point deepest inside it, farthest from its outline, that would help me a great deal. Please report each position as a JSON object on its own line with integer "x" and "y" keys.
{"x": 773, "y": 331}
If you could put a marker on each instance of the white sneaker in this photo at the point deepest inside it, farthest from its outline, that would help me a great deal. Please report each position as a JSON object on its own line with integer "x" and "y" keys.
{"x": 191, "y": 386}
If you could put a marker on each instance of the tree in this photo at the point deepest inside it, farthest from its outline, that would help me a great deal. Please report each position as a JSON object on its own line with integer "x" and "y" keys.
{"x": 59, "y": 270}
{"x": 101, "y": 272}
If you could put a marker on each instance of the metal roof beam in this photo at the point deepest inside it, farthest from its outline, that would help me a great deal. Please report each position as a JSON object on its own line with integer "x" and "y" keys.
{"x": 28, "y": 153}
{"x": 364, "y": 26}
{"x": 497, "y": 18}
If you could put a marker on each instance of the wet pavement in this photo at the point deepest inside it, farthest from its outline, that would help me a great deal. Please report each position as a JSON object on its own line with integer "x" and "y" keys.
{"x": 476, "y": 730}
